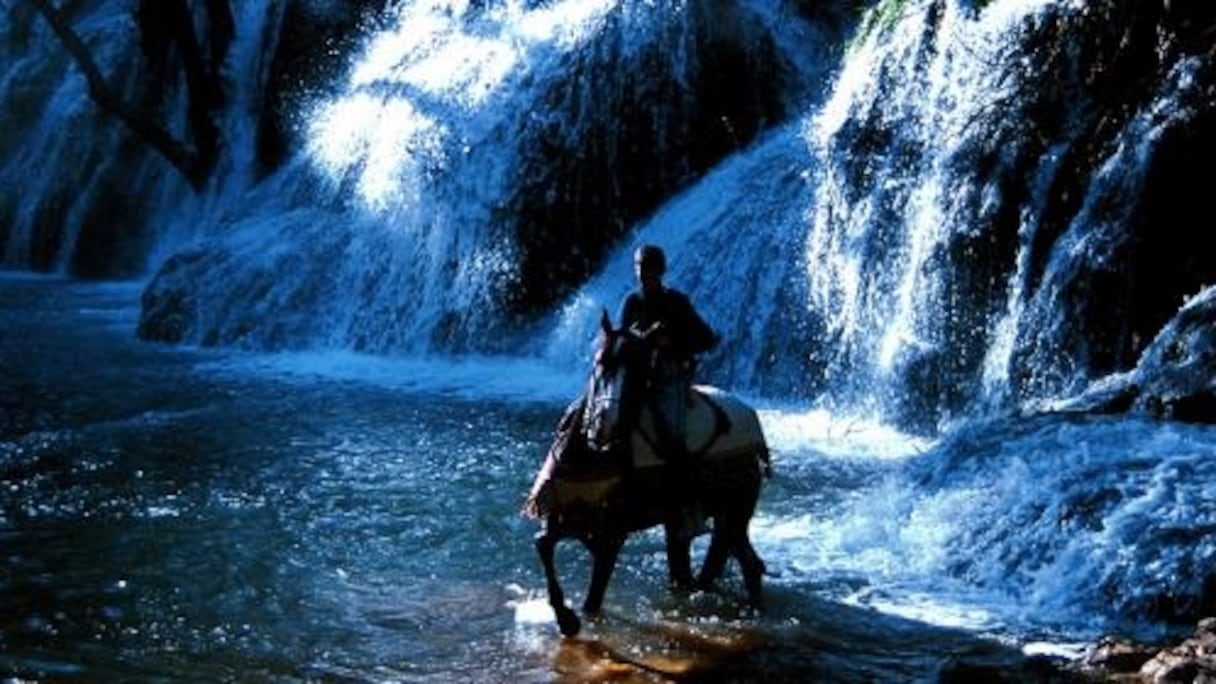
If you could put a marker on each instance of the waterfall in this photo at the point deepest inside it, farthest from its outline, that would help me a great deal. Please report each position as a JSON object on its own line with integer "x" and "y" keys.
{"x": 473, "y": 164}
{"x": 948, "y": 275}
{"x": 930, "y": 216}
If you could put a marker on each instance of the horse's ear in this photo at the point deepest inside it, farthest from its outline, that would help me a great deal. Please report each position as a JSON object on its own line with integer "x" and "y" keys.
{"x": 605, "y": 321}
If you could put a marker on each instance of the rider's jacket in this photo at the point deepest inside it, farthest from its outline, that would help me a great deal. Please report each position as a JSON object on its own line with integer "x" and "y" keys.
{"x": 687, "y": 333}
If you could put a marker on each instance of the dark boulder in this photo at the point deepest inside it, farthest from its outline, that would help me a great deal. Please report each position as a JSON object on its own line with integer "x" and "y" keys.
{"x": 1175, "y": 378}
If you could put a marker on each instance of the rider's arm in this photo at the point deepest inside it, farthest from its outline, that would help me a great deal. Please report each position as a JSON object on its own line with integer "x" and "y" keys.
{"x": 695, "y": 334}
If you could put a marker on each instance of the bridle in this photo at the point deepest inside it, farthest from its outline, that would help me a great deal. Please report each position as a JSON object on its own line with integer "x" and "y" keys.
{"x": 603, "y": 410}
{"x": 605, "y": 407}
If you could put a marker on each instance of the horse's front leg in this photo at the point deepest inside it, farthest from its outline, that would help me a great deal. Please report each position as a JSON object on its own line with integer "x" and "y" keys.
{"x": 567, "y": 620}
{"x": 604, "y": 553}
{"x": 679, "y": 555}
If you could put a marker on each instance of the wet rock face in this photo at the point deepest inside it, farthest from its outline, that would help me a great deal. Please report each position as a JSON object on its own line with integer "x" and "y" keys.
{"x": 1113, "y": 656}
{"x": 1175, "y": 378}
{"x": 168, "y": 313}
{"x": 659, "y": 122}
{"x": 1177, "y": 375}
{"x": 1100, "y": 311}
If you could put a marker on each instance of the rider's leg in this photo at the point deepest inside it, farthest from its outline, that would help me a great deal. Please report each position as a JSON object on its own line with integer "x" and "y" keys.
{"x": 669, "y": 405}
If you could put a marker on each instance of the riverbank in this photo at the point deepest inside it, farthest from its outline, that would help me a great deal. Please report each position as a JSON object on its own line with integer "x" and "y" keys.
{"x": 1191, "y": 660}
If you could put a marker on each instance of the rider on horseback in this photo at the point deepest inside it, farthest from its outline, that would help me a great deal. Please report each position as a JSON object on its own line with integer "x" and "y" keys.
{"x": 583, "y": 491}
{"x": 675, "y": 333}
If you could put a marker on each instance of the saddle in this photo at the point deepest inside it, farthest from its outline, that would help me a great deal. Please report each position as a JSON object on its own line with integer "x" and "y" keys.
{"x": 706, "y": 422}
{"x": 574, "y": 475}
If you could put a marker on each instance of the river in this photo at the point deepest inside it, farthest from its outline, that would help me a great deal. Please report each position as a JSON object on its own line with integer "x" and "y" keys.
{"x": 174, "y": 513}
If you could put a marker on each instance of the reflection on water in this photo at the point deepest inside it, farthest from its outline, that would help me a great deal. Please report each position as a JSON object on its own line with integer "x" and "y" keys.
{"x": 166, "y": 517}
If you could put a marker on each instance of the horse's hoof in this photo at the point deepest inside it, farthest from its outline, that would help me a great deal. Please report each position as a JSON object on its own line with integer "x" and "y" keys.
{"x": 568, "y": 622}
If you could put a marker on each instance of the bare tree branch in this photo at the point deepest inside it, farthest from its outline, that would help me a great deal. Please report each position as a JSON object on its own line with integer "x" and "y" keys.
{"x": 182, "y": 156}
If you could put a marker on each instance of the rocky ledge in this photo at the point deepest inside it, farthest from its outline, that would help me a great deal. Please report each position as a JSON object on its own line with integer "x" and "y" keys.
{"x": 1176, "y": 375}
{"x": 1193, "y": 660}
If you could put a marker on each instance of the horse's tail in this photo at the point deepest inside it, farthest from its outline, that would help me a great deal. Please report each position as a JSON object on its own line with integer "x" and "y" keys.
{"x": 765, "y": 457}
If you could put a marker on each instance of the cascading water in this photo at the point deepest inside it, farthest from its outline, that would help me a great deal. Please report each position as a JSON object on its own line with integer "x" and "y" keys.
{"x": 761, "y": 317}
{"x": 435, "y": 203}
{"x": 932, "y": 255}
{"x": 432, "y": 207}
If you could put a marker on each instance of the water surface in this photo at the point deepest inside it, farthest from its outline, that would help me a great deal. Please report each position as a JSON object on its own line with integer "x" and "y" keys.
{"x": 174, "y": 513}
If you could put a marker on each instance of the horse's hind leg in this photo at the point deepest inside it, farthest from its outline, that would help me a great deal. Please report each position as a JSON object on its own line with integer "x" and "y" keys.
{"x": 715, "y": 558}
{"x": 752, "y": 567}
{"x": 730, "y": 539}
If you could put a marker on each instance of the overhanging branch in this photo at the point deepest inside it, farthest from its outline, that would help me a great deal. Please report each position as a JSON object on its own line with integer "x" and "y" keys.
{"x": 179, "y": 154}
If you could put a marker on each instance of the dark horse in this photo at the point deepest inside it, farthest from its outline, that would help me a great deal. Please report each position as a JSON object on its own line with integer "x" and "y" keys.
{"x": 599, "y": 484}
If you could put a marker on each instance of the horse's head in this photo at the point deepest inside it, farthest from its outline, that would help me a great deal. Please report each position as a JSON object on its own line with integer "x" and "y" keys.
{"x": 609, "y": 388}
